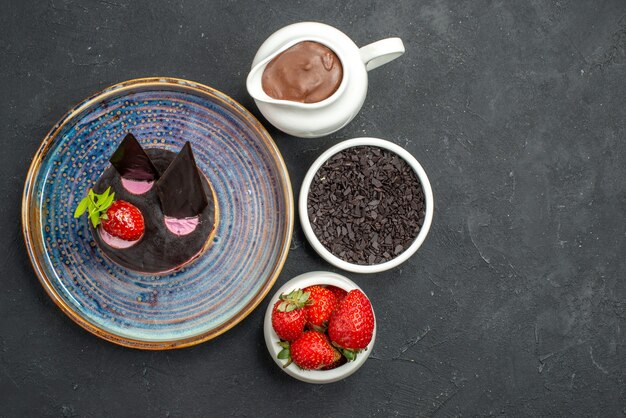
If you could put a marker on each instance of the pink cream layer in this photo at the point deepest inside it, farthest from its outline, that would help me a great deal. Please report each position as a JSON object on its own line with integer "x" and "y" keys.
{"x": 136, "y": 187}
{"x": 181, "y": 226}
{"x": 115, "y": 242}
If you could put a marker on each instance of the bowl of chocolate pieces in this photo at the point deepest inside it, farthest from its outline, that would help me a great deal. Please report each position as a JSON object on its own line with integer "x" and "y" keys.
{"x": 366, "y": 205}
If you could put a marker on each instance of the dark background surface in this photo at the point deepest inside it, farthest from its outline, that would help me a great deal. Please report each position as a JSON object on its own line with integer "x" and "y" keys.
{"x": 516, "y": 303}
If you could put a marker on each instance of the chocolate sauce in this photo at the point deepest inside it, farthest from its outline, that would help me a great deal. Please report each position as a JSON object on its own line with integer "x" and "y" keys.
{"x": 308, "y": 72}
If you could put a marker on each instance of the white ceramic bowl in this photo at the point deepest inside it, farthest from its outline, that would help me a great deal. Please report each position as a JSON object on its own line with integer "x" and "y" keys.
{"x": 271, "y": 339}
{"x": 306, "y": 223}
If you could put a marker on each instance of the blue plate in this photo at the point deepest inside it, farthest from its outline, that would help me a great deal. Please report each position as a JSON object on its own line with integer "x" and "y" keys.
{"x": 210, "y": 295}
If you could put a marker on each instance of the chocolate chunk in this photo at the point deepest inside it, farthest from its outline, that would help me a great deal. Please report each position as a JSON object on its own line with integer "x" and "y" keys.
{"x": 131, "y": 161}
{"x": 180, "y": 187}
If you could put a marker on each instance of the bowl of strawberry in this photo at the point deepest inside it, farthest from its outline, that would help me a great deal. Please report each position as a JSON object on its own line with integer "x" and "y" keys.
{"x": 320, "y": 327}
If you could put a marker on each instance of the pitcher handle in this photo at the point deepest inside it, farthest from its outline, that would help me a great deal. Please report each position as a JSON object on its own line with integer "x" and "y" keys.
{"x": 381, "y": 52}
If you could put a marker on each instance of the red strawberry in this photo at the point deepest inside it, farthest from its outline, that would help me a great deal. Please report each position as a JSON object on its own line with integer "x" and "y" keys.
{"x": 351, "y": 326}
{"x": 124, "y": 221}
{"x": 338, "y": 292}
{"x": 323, "y": 303}
{"x": 288, "y": 317}
{"x": 118, "y": 218}
{"x": 313, "y": 351}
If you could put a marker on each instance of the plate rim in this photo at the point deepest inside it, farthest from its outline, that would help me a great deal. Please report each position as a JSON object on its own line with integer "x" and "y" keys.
{"x": 30, "y": 236}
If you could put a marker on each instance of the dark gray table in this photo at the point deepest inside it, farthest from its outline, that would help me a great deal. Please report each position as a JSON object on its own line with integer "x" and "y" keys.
{"x": 515, "y": 305}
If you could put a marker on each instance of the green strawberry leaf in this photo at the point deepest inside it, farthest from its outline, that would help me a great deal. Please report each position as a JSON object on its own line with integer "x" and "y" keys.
{"x": 283, "y": 354}
{"x": 350, "y": 355}
{"x": 317, "y": 327}
{"x": 295, "y": 299}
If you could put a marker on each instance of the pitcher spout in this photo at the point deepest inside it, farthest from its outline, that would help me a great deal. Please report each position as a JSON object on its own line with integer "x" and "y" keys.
{"x": 255, "y": 85}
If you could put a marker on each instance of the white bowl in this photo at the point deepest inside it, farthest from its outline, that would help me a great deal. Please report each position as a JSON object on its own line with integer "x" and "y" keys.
{"x": 271, "y": 339}
{"x": 306, "y": 223}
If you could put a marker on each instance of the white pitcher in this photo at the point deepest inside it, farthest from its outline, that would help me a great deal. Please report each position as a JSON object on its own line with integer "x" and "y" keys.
{"x": 311, "y": 120}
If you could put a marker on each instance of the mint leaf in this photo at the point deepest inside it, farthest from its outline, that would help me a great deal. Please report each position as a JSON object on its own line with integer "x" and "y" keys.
{"x": 96, "y": 206}
{"x": 104, "y": 205}
{"x": 81, "y": 208}
{"x": 95, "y": 219}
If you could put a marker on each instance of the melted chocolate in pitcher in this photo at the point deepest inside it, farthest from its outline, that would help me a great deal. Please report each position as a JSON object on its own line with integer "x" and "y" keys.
{"x": 308, "y": 72}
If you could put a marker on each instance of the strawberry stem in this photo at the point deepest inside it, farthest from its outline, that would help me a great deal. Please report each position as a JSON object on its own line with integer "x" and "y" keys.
{"x": 348, "y": 353}
{"x": 317, "y": 327}
{"x": 296, "y": 299}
